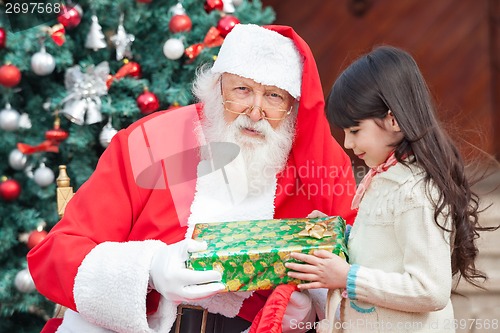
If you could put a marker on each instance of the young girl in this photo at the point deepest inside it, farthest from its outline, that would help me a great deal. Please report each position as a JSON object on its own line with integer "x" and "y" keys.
{"x": 418, "y": 218}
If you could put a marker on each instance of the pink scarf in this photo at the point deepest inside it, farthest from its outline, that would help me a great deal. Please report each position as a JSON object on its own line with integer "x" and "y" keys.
{"x": 367, "y": 179}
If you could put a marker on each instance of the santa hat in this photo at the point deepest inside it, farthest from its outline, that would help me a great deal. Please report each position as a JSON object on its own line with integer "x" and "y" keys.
{"x": 262, "y": 55}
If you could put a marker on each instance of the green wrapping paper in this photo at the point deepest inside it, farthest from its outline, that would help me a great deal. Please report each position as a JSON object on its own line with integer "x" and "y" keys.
{"x": 251, "y": 254}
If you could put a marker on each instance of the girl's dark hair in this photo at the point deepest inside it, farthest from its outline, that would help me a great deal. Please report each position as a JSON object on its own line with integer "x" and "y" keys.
{"x": 388, "y": 78}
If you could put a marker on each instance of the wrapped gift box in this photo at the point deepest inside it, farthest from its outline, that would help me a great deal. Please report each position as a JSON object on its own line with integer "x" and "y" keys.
{"x": 251, "y": 254}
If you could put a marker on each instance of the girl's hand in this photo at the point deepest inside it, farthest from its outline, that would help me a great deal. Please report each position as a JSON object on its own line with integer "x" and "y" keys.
{"x": 324, "y": 269}
{"x": 316, "y": 213}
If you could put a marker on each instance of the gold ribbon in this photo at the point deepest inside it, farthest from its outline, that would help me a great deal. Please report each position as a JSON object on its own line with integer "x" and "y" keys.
{"x": 316, "y": 230}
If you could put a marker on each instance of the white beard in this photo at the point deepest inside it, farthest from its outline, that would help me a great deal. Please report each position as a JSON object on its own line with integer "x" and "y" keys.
{"x": 264, "y": 156}
{"x": 261, "y": 159}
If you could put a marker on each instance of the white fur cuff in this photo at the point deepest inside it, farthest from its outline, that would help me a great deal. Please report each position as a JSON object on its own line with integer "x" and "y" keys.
{"x": 111, "y": 286}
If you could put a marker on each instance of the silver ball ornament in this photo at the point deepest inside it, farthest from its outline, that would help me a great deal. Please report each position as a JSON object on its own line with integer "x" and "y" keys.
{"x": 24, "y": 282}
{"x": 43, "y": 176}
{"x": 17, "y": 160}
{"x": 9, "y": 119}
{"x": 107, "y": 133}
{"x": 173, "y": 48}
{"x": 42, "y": 63}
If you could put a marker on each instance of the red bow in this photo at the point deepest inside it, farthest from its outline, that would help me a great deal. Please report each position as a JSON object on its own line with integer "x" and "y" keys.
{"x": 57, "y": 33}
{"x": 48, "y": 146}
{"x": 213, "y": 38}
{"x": 53, "y": 138}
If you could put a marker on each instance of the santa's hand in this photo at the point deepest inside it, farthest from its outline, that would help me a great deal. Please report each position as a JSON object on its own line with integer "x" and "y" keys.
{"x": 316, "y": 213}
{"x": 299, "y": 312}
{"x": 170, "y": 277}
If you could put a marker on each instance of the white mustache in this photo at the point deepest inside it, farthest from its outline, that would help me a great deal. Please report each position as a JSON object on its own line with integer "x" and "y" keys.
{"x": 262, "y": 127}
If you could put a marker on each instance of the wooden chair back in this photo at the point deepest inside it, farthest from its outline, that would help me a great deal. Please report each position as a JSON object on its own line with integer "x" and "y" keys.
{"x": 64, "y": 194}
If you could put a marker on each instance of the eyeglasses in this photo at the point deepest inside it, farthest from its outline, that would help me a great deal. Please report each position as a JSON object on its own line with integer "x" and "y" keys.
{"x": 270, "y": 113}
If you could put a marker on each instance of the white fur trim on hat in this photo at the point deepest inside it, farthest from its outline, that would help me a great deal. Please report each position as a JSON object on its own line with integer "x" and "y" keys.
{"x": 262, "y": 55}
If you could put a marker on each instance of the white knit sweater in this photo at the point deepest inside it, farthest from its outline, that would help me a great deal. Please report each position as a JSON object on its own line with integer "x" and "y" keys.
{"x": 400, "y": 279}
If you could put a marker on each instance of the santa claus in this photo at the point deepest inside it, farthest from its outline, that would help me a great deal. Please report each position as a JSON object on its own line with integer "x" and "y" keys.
{"x": 257, "y": 146}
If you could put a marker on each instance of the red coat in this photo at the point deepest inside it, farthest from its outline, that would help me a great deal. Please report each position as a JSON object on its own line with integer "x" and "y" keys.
{"x": 112, "y": 207}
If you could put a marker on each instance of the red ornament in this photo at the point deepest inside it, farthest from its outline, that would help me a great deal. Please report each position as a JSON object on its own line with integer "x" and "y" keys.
{"x": 147, "y": 102}
{"x": 3, "y": 38}
{"x": 226, "y": 24}
{"x": 130, "y": 68}
{"x": 180, "y": 23}
{"x": 10, "y": 76}
{"x": 10, "y": 190}
{"x": 213, "y": 5}
{"x": 36, "y": 237}
{"x": 144, "y": 1}
{"x": 70, "y": 17}
{"x": 135, "y": 70}
{"x": 57, "y": 135}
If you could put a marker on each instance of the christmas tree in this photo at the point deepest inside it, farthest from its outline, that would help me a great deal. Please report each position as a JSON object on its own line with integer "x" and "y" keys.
{"x": 71, "y": 75}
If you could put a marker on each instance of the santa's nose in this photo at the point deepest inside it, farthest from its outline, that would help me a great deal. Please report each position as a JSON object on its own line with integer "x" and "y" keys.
{"x": 256, "y": 113}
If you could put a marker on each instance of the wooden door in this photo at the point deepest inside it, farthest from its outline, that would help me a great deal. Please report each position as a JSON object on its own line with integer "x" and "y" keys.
{"x": 455, "y": 42}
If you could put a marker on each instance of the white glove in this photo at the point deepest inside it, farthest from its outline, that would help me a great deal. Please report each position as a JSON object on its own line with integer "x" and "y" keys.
{"x": 169, "y": 276}
{"x": 299, "y": 312}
